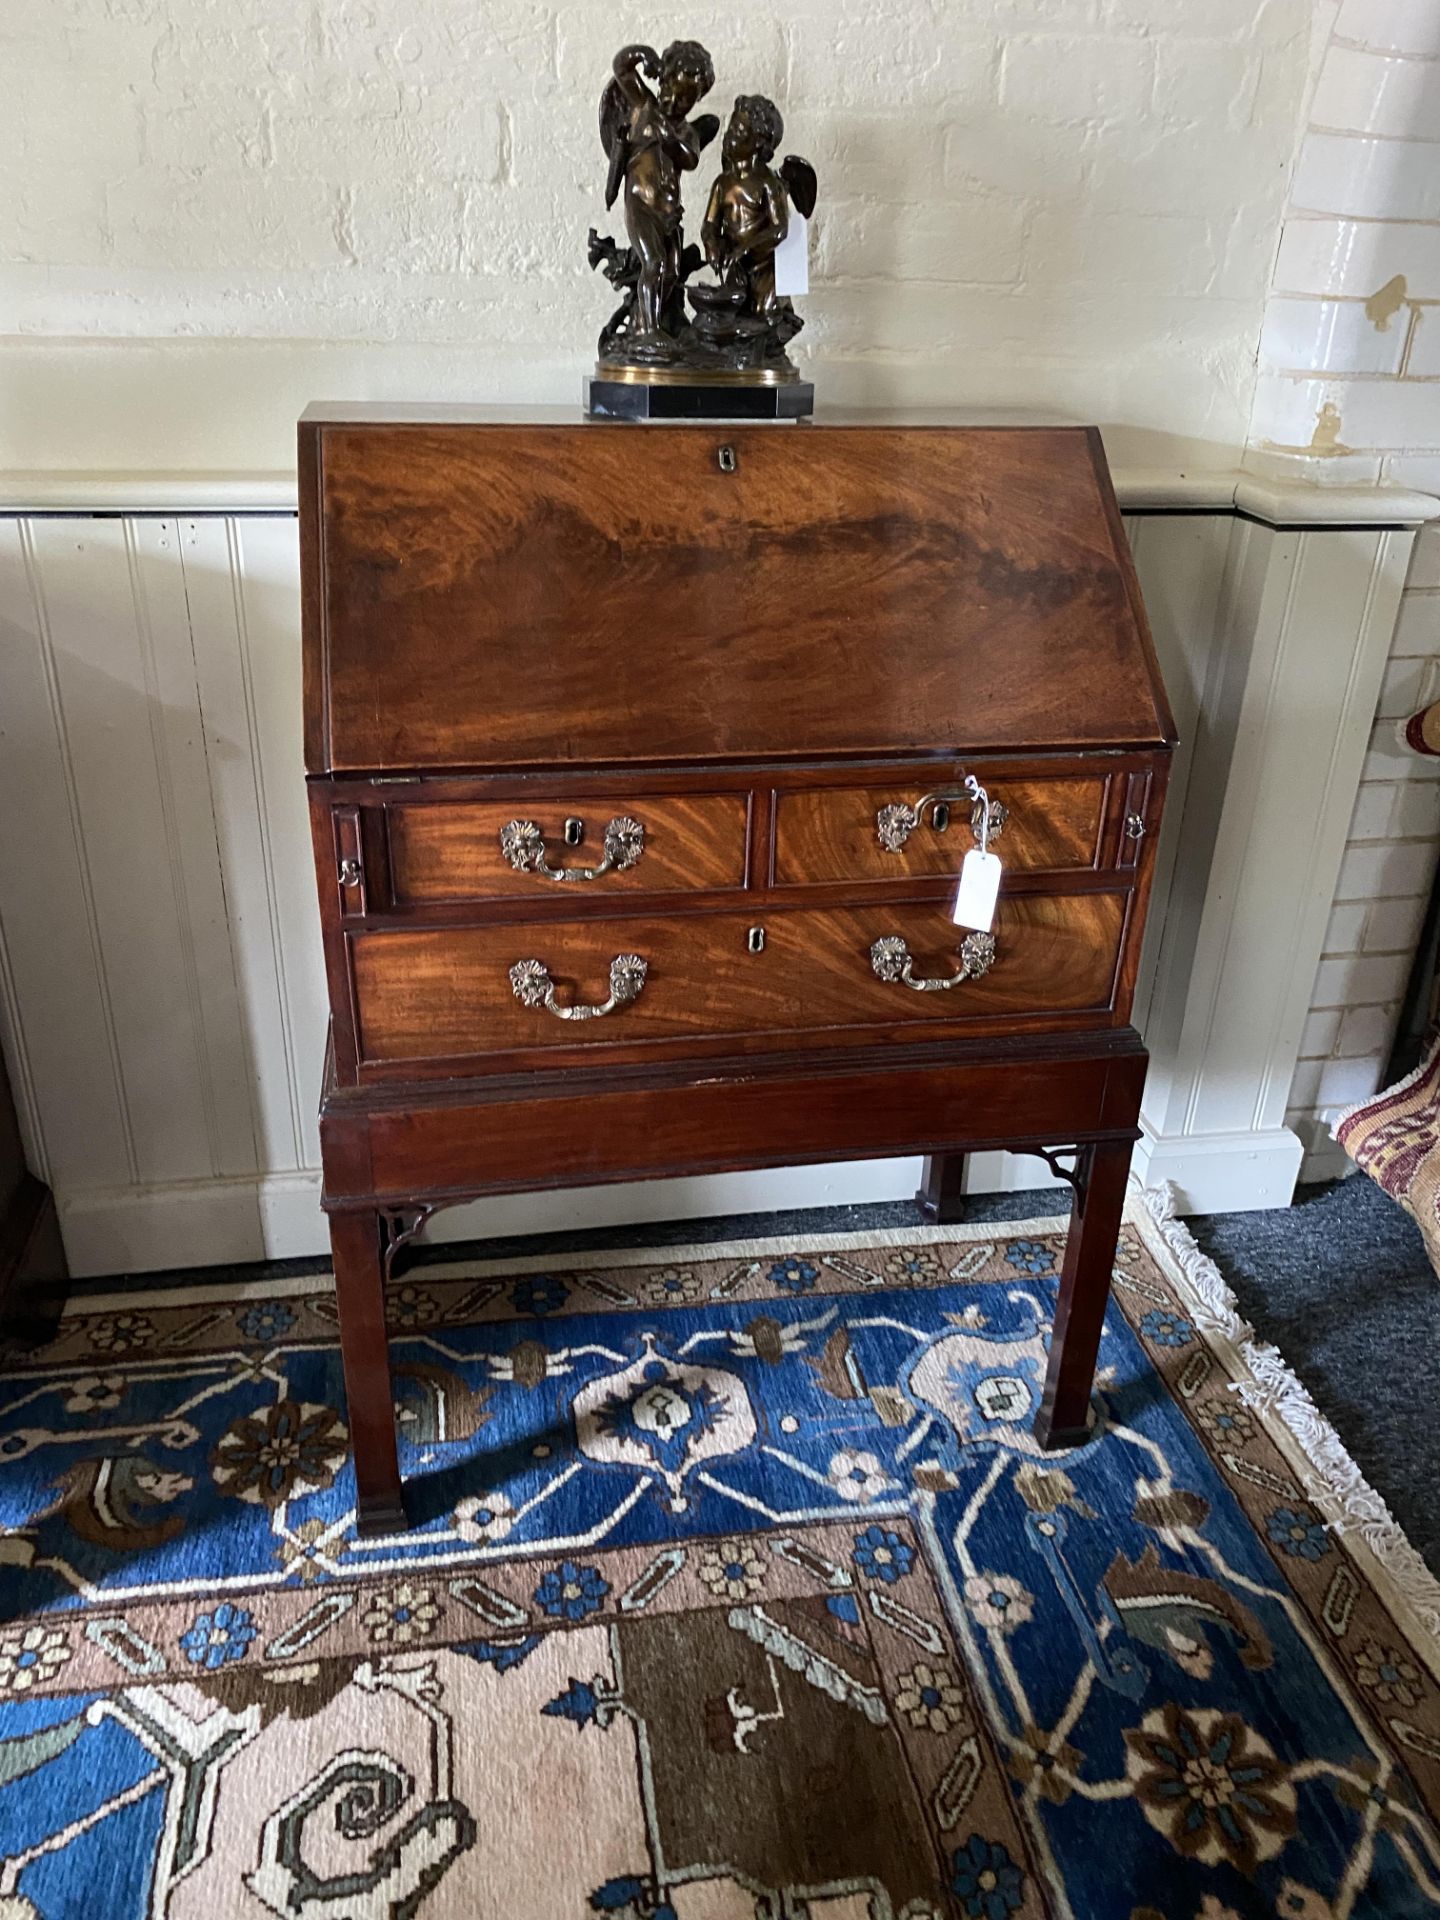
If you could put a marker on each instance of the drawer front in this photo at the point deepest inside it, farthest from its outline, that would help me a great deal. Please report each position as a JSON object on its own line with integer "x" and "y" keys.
{"x": 908, "y": 829}
{"x": 626, "y": 844}
{"x": 444, "y": 995}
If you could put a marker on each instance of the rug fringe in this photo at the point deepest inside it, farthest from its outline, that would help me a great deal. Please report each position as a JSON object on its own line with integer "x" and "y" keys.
{"x": 1333, "y": 1481}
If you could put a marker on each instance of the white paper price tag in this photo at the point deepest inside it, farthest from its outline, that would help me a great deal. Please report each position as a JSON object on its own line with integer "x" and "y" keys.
{"x": 976, "y": 894}
{"x": 792, "y": 257}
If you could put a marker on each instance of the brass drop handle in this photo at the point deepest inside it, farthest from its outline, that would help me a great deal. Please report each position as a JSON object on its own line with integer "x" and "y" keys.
{"x": 895, "y": 823}
{"x": 533, "y": 987}
{"x": 523, "y": 845}
{"x": 892, "y": 961}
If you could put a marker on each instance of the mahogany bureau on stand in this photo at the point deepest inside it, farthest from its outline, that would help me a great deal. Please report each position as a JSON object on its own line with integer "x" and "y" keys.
{"x": 637, "y": 765}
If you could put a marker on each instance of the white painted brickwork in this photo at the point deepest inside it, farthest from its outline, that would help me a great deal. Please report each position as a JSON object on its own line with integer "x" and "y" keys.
{"x": 1350, "y": 354}
{"x": 1350, "y": 390}
{"x": 1057, "y": 203}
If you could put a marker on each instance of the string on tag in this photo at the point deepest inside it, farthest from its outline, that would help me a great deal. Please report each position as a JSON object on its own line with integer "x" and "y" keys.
{"x": 982, "y": 799}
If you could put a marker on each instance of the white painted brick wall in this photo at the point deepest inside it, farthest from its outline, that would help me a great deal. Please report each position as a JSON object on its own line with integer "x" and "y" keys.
{"x": 1057, "y": 203}
{"x": 1350, "y": 353}
{"x": 1349, "y": 390}
{"x": 1391, "y": 26}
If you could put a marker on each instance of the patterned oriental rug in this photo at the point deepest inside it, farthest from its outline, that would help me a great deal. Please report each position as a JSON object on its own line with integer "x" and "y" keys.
{"x": 738, "y": 1591}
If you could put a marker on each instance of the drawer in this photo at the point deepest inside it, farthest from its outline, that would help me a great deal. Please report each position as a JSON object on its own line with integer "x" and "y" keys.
{"x": 907, "y": 829}
{"x": 443, "y": 995}
{"x": 620, "y": 843}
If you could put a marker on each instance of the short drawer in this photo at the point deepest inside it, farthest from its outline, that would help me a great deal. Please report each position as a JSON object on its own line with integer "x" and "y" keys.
{"x": 907, "y": 830}
{"x": 455, "y": 850}
{"x": 446, "y": 994}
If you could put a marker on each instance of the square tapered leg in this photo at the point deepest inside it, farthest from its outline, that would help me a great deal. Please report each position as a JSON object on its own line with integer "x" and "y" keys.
{"x": 940, "y": 1197}
{"x": 1095, "y": 1218}
{"x": 356, "y": 1244}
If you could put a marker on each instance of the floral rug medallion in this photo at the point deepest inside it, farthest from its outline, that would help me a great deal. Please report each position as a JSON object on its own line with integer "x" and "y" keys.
{"x": 738, "y": 1589}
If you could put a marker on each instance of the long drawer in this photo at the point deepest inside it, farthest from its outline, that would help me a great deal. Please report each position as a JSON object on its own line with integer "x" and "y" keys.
{"x": 435, "y": 996}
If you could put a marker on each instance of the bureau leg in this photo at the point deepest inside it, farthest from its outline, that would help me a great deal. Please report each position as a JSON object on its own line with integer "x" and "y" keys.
{"x": 940, "y": 1199}
{"x": 1084, "y": 1290}
{"x": 357, "y": 1246}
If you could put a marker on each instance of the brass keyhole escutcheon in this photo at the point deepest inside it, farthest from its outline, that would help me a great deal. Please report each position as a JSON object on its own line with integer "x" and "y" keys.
{"x": 574, "y": 831}
{"x": 726, "y": 457}
{"x": 755, "y": 940}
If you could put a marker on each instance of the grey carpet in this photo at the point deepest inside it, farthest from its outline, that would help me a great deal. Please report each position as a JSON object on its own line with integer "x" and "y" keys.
{"x": 1338, "y": 1282}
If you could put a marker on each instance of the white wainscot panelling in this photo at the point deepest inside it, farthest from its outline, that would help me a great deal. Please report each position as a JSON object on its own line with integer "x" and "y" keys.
{"x": 161, "y": 993}
{"x": 1297, "y": 648}
{"x": 163, "y": 998}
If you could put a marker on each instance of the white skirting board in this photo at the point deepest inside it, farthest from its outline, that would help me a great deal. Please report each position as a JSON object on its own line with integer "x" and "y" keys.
{"x": 162, "y": 1002}
{"x": 1223, "y": 1172}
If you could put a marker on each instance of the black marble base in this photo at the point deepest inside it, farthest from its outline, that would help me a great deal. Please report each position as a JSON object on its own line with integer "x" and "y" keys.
{"x": 696, "y": 400}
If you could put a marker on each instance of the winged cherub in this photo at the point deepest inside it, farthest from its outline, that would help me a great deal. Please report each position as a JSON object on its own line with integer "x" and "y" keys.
{"x": 650, "y": 141}
{"x": 749, "y": 210}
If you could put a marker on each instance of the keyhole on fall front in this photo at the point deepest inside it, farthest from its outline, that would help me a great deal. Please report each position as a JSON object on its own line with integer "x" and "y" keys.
{"x": 726, "y": 457}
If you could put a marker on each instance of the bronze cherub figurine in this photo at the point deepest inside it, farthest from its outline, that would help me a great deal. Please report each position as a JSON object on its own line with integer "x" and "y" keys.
{"x": 653, "y": 361}
{"x": 649, "y": 141}
{"x": 741, "y": 318}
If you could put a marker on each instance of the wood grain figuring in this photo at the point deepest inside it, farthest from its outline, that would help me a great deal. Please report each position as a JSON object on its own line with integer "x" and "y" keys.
{"x": 830, "y": 834}
{"x": 444, "y": 995}
{"x": 446, "y": 853}
{"x": 500, "y": 596}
